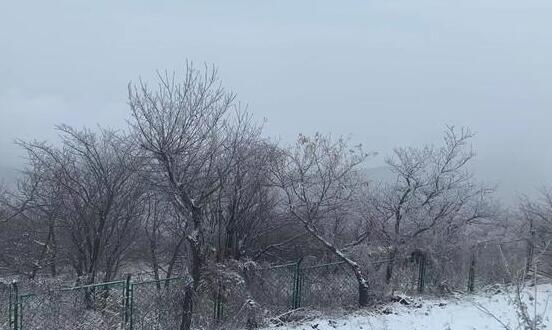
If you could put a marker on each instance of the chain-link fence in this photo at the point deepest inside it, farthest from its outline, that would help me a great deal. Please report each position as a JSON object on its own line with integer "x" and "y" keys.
{"x": 328, "y": 285}
{"x": 113, "y": 305}
{"x": 290, "y": 286}
{"x": 4, "y": 306}
{"x": 275, "y": 287}
{"x": 155, "y": 304}
{"x": 497, "y": 263}
{"x": 96, "y": 306}
{"x": 465, "y": 269}
{"x": 226, "y": 300}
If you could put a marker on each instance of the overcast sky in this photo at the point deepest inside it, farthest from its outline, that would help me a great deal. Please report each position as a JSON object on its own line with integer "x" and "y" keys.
{"x": 388, "y": 72}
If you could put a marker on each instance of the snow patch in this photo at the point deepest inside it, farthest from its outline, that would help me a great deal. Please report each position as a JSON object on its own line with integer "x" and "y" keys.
{"x": 464, "y": 312}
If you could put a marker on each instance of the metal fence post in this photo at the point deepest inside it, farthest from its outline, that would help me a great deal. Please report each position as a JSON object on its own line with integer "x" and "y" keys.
{"x": 297, "y": 285}
{"x": 131, "y": 306}
{"x": 10, "y": 302}
{"x": 421, "y": 272}
{"x": 15, "y": 316}
{"x": 471, "y": 274}
{"x": 219, "y": 306}
{"x": 127, "y": 303}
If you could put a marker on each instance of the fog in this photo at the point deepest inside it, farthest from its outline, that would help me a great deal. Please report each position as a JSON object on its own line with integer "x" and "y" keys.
{"x": 387, "y": 73}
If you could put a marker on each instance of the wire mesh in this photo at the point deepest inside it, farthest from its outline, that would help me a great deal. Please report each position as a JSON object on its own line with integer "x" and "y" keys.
{"x": 226, "y": 301}
{"x": 289, "y": 286}
{"x": 449, "y": 271}
{"x": 329, "y": 285}
{"x": 156, "y": 304}
{"x": 404, "y": 277}
{"x": 273, "y": 287}
{"x": 98, "y": 306}
{"x": 499, "y": 262}
{"x": 4, "y": 306}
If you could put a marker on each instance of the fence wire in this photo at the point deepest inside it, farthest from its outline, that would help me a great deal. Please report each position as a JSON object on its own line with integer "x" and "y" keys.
{"x": 499, "y": 263}
{"x": 226, "y": 301}
{"x": 330, "y": 285}
{"x": 274, "y": 287}
{"x": 155, "y": 304}
{"x": 98, "y": 306}
{"x": 4, "y": 306}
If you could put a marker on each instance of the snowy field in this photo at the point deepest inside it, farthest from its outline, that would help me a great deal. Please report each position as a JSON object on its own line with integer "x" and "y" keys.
{"x": 493, "y": 309}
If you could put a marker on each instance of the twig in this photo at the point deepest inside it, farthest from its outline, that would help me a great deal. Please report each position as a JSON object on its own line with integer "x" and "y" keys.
{"x": 489, "y": 313}
{"x": 278, "y": 319}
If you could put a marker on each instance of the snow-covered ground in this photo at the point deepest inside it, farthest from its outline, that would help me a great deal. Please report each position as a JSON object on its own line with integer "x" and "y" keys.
{"x": 492, "y": 309}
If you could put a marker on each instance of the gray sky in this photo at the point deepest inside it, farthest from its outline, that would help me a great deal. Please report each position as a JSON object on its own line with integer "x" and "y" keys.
{"x": 389, "y": 72}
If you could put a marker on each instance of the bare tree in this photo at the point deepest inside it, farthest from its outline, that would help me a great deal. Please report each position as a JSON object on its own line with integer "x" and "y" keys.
{"x": 536, "y": 215}
{"x": 319, "y": 178}
{"x": 190, "y": 130}
{"x": 29, "y": 219}
{"x": 245, "y": 202}
{"x": 90, "y": 190}
{"x": 434, "y": 196}
{"x": 165, "y": 234}
{"x": 3, "y": 210}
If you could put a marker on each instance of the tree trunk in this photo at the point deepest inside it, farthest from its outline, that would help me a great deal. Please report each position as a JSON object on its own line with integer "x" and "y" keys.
{"x": 187, "y": 308}
{"x": 363, "y": 287}
{"x": 229, "y": 246}
{"x": 196, "y": 267}
{"x": 188, "y": 304}
{"x": 232, "y": 248}
{"x": 390, "y": 265}
{"x": 154, "y": 261}
{"x": 173, "y": 260}
{"x": 363, "y": 294}
{"x": 53, "y": 253}
{"x": 530, "y": 248}
{"x": 43, "y": 255}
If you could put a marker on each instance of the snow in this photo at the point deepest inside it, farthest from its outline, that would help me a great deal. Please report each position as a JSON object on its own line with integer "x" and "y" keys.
{"x": 463, "y": 312}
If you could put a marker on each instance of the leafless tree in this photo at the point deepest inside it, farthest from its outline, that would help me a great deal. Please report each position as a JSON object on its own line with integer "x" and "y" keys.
{"x": 245, "y": 202}
{"x": 319, "y": 178}
{"x": 165, "y": 234}
{"x": 434, "y": 196}
{"x": 190, "y": 129}
{"x": 536, "y": 215}
{"x": 29, "y": 221}
{"x": 89, "y": 190}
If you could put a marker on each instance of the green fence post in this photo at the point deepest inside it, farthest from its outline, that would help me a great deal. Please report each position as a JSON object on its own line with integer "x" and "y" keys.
{"x": 297, "y": 285}
{"x": 219, "y": 307}
{"x": 421, "y": 272}
{"x": 15, "y": 317}
{"x": 20, "y": 313}
{"x": 127, "y": 303}
{"x": 10, "y": 302}
{"x": 300, "y": 291}
{"x": 471, "y": 275}
{"x": 131, "y": 324}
